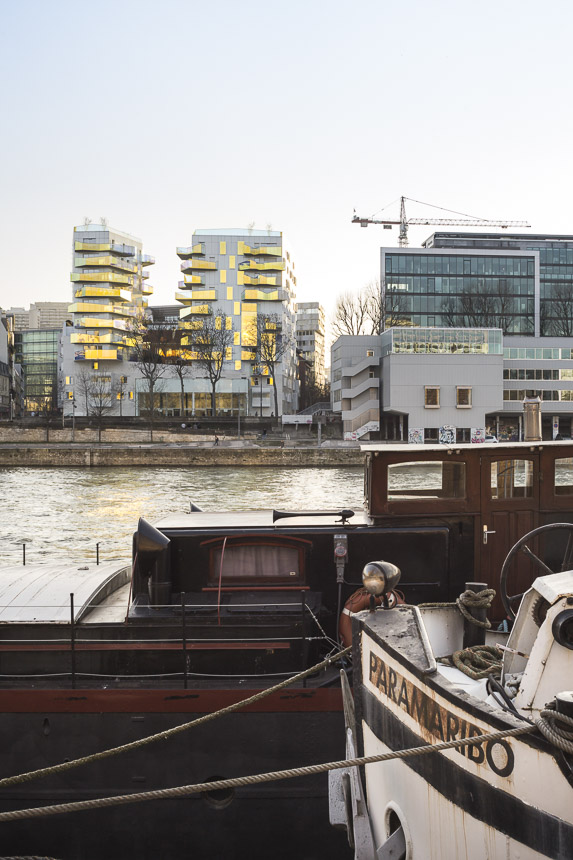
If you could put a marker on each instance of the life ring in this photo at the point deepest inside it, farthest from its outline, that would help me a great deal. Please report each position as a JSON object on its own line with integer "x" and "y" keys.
{"x": 359, "y": 600}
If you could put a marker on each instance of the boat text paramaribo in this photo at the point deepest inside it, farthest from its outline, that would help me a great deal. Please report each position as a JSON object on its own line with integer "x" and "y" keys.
{"x": 436, "y": 720}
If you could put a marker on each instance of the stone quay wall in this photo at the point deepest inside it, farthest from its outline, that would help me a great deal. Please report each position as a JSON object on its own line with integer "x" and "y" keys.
{"x": 78, "y": 455}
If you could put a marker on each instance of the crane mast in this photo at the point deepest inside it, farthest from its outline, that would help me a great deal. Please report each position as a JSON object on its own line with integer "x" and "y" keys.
{"x": 404, "y": 222}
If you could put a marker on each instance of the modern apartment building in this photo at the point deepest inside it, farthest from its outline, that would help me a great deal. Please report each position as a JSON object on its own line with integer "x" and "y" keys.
{"x": 310, "y": 337}
{"x": 245, "y": 277}
{"x": 110, "y": 290}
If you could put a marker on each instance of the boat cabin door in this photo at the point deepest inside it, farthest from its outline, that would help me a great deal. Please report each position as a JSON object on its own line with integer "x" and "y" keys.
{"x": 509, "y": 509}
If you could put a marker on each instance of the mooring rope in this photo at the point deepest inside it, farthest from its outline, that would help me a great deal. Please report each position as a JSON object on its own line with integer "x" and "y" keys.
{"x": 552, "y": 724}
{"x": 476, "y": 600}
{"x": 237, "y": 782}
{"x": 479, "y": 661}
{"x": 67, "y": 765}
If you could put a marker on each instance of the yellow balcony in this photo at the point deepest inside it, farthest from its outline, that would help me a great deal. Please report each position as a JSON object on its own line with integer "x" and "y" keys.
{"x": 102, "y": 277}
{"x": 98, "y": 322}
{"x": 274, "y": 250}
{"x": 261, "y": 296}
{"x": 93, "y": 308}
{"x": 103, "y": 292}
{"x": 101, "y": 354}
{"x": 260, "y": 280}
{"x": 147, "y": 289}
{"x": 191, "y": 325}
{"x": 185, "y": 253}
{"x": 195, "y": 310}
{"x": 114, "y": 262}
{"x": 190, "y": 265}
{"x": 123, "y": 250}
{"x": 191, "y": 280}
{"x": 275, "y": 266}
{"x": 96, "y": 338}
{"x": 147, "y": 260}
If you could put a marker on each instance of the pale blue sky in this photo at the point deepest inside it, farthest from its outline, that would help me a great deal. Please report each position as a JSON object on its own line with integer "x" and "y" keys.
{"x": 169, "y": 116}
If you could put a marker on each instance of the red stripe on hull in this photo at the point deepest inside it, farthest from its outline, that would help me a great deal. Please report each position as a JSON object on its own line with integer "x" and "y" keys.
{"x": 163, "y": 701}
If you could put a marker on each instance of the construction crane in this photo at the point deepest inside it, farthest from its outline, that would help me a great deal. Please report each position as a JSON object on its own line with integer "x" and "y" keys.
{"x": 404, "y": 222}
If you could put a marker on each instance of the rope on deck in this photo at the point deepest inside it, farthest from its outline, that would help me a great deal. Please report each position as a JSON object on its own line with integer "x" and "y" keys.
{"x": 59, "y": 768}
{"x": 220, "y": 784}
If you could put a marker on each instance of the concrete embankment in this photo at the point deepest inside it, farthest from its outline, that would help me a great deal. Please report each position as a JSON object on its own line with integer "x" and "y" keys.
{"x": 170, "y": 454}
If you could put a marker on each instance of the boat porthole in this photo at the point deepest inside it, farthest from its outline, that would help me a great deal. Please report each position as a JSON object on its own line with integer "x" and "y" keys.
{"x": 220, "y": 798}
{"x": 394, "y": 818}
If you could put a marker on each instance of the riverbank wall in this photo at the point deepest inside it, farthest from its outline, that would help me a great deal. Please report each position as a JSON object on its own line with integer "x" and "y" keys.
{"x": 157, "y": 454}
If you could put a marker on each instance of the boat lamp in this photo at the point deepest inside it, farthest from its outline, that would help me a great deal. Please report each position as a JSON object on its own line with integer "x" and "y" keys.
{"x": 380, "y": 577}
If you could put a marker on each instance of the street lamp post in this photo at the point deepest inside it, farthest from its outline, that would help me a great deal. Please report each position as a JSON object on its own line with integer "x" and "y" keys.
{"x": 74, "y": 419}
{"x": 243, "y": 378}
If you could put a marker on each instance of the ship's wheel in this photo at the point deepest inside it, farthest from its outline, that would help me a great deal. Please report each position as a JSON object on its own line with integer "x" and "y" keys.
{"x": 522, "y": 545}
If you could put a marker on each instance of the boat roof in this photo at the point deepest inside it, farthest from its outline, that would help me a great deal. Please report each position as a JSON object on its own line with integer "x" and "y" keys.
{"x": 41, "y": 592}
{"x": 403, "y": 447}
{"x": 237, "y": 520}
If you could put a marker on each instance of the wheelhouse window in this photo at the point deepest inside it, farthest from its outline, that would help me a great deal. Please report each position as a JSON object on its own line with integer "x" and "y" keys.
{"x": 563, "y": 484}
{"x": 511, "y": 479}
{"x": 258, "y": 563}
{"x": 427, "y": 480}
{"x": 463, "y": 397}
{"x": 432, "y": 397}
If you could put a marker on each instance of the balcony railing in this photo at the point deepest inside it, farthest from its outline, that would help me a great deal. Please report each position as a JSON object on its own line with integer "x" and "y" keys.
{"x": 192, "y": 264}
{"x": 101, "y": 277}
{"x": 113, "y": 262}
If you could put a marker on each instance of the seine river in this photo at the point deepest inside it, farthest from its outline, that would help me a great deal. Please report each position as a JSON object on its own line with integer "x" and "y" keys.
{"x": 63, "y": 513}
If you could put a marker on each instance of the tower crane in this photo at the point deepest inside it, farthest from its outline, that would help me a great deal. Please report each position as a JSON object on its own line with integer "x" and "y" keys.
{"x": 404, "y": 222}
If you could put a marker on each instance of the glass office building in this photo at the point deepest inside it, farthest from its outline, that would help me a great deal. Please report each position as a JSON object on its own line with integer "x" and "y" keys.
{"x": 459, "y": 290}
{"x": 36, "y": 350}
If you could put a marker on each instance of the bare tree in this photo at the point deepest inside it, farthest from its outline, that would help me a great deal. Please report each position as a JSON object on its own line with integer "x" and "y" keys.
{"x": 273, "y": 344}
{"x": 102, "y": 393}
{"x": 211, "y": 346}
{"x": 180, "y": 361}
{"x": 361, "y": 312}
{"x": 120, "y": 386}
{"x": 82, "y": 388}
{"x": 150, "y": 346}
{"x": 350, "y": 315}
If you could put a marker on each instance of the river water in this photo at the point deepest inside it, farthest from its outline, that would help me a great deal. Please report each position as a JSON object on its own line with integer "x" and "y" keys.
{"x": 62, "y": 513}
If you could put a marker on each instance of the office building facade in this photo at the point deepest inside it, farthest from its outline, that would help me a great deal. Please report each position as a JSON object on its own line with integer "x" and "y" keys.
{"x": 521, "y": 284}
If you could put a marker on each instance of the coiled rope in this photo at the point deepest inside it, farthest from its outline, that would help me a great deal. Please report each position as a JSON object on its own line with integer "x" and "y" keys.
{"x": 68, "y": 765}
{"x": 220, "y": 784}
{"x": 479, "y": 661}
{"x": 476, "y": 600}
{"x": 548, "y": 724}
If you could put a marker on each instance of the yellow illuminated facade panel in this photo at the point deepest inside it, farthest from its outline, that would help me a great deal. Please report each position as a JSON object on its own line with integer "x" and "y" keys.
{"x": 222, "y": 248}
{"x": 237, "y": 338}
{"x": 240, "y": 279}
{"x": 249, "y": 325}
{"x": 229, "y": 294}
{"x": 232, "y": 261}
{"x": 237, "y": 365}
{"x": 223, "y": 276}
{"x": 237, "y": 309}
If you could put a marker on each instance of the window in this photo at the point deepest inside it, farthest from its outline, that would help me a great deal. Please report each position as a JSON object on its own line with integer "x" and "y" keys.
{"x": 563, "y": 477}
{"x": 267, "y": 563}
{"x": 428, "y": 480}
{"x": 512, "y": 479}
{"x": 432, "y": 397}
{"x": 371, "y": 374}
{"x": 95, "y": 365}
{"x": 463, "y": 397}
{"x": 370, "y": 353}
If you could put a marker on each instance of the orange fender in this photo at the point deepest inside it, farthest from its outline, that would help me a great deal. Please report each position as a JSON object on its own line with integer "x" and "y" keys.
{"x": 359, "y": 600}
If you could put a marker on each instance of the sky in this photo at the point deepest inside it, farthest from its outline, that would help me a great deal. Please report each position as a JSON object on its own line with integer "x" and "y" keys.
{"x": 166, "y": 117}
